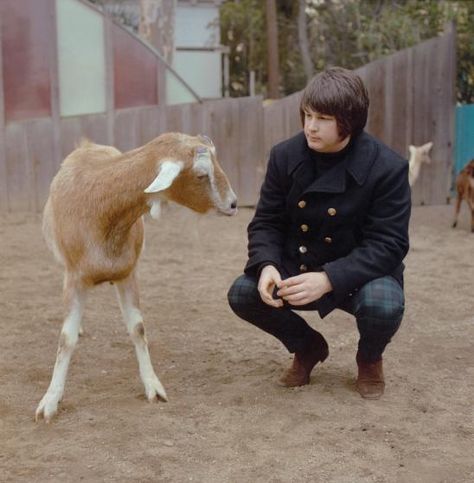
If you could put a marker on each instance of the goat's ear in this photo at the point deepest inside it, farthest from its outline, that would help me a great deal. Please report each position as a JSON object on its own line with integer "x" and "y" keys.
{"x": 411, "y": 148}
{"x": 169, "y": 170}
{"x": 427, "y": 147}
{"x": 206, "y": 140}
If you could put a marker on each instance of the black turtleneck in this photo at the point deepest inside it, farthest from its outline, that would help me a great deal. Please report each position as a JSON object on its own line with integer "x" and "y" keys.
{"x": 325, "y": 161}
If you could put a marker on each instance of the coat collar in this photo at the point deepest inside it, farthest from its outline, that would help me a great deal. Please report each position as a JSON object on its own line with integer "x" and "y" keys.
{"x": 358, "y": 163}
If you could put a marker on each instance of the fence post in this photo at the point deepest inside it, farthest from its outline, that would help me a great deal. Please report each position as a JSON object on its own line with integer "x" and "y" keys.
{"x": 4, "y": 205}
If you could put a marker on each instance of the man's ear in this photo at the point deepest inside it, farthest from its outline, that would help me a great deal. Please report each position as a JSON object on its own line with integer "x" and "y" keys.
{"x": 169, "y": 170}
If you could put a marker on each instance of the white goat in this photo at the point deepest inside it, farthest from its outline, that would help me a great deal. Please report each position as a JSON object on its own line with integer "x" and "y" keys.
{"x": 93, "y": 224}
{"x": 418, "y": 156}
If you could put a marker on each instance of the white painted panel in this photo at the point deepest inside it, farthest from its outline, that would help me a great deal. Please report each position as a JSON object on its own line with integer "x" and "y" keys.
{"x": 201, "y": 70}
{"x": 81, "y": 58}
{"x": 197, "y": 26}
{"x": 176, "y": 93}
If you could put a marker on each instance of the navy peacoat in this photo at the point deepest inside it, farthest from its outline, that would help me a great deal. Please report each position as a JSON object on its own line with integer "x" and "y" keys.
{"x": 351, "y": 222}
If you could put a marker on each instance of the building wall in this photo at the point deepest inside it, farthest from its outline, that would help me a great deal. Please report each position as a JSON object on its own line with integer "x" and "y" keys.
{"x": 197, "y": 56}
{"x": 27, "y": 63}
{"x": 81, "y": 59}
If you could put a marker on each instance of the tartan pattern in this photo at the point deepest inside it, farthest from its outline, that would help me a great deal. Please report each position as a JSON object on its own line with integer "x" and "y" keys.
{"x": 378, "y": 307}
{"x": 243, "y": 291}
{"x": 381, "y": 298}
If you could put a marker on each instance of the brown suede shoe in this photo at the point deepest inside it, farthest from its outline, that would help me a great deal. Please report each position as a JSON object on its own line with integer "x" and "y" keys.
{"x": 370, "y": 381}
{"x": 299, "y": 372}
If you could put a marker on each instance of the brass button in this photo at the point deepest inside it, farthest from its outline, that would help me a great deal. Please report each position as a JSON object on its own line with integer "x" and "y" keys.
{"x": 302, "y": 203}
{"x": 303, "y": 268}
{"x": 332, "y": 211}
{"x": 304, "y": 227}
{"x": 328, "y": 239}
{"x": 302, "y": 249}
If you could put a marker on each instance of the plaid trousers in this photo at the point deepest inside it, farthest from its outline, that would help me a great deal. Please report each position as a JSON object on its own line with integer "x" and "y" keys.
{"x": 378, "y": 307}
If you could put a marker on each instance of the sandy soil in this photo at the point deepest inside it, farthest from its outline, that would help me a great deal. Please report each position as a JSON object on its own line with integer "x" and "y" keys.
{"x": 226, "y": 419}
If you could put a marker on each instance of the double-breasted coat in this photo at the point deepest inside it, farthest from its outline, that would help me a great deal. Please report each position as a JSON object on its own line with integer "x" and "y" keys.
{"x": 351, "y": 222}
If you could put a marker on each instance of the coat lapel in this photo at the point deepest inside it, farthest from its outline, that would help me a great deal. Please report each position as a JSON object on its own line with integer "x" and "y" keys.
{"x": 332, "y": 181}
{"x": 357, "y": 164}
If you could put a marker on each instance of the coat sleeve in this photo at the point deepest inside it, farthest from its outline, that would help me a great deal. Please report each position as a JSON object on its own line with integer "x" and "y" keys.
{"x": 266, "y": 231}
{"x": 384, "y": 236}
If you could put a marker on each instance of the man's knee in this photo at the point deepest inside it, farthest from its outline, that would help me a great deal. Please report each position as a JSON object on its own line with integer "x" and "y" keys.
{"x": 242, "y": 293}
{"x": 381, "y": 301}
{"x": 383, "y": 312}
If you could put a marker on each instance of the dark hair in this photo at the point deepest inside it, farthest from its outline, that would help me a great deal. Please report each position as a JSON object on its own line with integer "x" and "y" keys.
{"x": 340, "y": 93}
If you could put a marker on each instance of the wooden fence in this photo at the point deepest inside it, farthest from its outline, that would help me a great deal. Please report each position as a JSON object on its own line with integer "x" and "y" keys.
{"x": 33, "y": 150}
{"x": 412, "y": 102}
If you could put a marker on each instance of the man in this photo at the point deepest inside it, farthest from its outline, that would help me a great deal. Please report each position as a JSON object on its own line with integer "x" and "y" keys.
{"x": 330, "y": 231}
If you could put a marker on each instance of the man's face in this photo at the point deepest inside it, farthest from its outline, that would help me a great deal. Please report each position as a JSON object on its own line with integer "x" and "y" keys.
{"x": 321, "y": 132}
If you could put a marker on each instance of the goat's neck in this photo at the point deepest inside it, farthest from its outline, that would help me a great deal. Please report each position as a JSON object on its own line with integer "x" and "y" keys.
{"x": 414, "y": 165}
{"x": 125, "y": 201}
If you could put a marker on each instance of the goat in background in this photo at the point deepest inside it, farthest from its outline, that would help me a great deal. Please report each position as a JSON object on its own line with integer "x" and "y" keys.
{"x": 465, "y": 191}
{"x": 93, "y": 224}
{"x": 418, "y": 156}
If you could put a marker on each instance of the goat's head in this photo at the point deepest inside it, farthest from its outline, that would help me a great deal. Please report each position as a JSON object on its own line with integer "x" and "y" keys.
{"x": 421, "y": 154}
{"x": 469, "y": 168}
{"x": 189, "y": 174}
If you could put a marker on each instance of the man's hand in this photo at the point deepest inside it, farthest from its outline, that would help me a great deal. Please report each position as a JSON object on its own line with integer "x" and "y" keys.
{"x": 305, "y": 288}
{"x": 269, "y": 279}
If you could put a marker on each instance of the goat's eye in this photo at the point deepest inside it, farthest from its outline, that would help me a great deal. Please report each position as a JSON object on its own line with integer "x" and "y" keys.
{"x": 202, "y": 176}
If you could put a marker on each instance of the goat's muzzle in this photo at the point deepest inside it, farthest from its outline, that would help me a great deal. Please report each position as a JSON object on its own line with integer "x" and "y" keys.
{"x": 230, "y": 209}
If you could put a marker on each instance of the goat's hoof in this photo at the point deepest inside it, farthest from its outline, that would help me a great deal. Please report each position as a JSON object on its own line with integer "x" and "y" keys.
{"x": 47, "y": 408}
{"x": 154, "y": 390}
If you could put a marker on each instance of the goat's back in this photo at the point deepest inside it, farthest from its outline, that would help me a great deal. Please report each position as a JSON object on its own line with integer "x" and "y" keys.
{"x": 91, "y": 155}
{"x": 465, "y": 182}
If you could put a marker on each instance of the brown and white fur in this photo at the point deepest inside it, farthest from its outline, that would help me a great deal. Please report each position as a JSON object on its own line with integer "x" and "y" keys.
{"x": 418, "y": 156}
{"x": 465, "y": 191}
{"x": 93, "y": 224}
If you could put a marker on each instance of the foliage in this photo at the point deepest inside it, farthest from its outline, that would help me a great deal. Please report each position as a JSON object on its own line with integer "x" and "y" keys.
{"x": 350, "y": 33}
{"x": 122, "y": 10}
{"x": 243, "y": 30}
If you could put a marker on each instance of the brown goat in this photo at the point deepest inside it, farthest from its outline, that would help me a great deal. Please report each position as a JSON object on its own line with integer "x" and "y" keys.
{"x": 93, "y": 224}
{"x": 465, "y": 191}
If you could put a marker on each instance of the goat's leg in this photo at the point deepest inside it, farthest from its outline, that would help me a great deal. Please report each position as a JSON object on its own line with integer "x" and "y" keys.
{"x": 457, "y": 209}
{"x": 74, "y": 300}
{"x": 471, "y": 205}
{"x": 128, "y": 297}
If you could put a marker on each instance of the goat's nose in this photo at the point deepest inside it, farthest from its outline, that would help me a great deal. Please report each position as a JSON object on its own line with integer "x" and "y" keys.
{"x": 234, "y": 204}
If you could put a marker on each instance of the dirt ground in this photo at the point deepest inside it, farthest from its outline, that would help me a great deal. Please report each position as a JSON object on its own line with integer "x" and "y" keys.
{"x": 227, "y": 420}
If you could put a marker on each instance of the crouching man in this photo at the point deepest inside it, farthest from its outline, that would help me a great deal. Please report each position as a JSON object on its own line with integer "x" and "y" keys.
{"x": 330, "y": 231}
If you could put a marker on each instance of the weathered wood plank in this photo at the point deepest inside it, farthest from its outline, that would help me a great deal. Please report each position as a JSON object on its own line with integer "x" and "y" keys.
{"x": 126, "y": 129}
{"x": 18, "y": 173}
{"x": 4, "y": 205}
{"x": 41, "y": 159}
{"x": 250, "y": 148}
